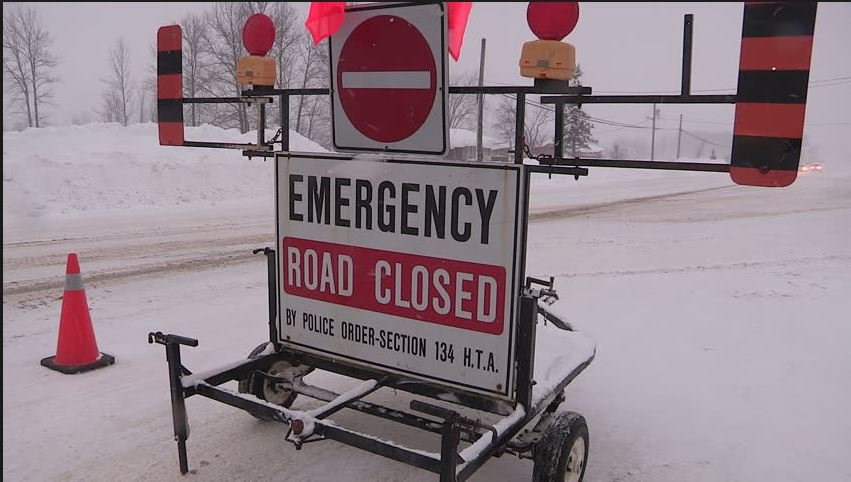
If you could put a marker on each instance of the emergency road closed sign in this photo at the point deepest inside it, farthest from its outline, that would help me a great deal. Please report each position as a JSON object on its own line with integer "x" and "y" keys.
{"x": 404, "y": 266}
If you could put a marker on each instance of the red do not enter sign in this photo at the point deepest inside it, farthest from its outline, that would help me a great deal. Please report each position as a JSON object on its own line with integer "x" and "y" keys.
{"x": 386, "y": 78}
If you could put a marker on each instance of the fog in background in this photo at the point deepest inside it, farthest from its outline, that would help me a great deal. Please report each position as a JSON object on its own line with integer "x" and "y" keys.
{"x": 622, "y": 48}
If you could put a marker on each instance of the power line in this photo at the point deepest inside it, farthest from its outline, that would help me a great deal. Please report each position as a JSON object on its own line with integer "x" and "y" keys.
{"x": 704, "y": 140}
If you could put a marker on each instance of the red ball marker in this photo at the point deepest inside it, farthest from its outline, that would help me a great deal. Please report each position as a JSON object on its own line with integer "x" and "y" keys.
{"x": 258, "y": 34}
{"x": 552, "y": 20}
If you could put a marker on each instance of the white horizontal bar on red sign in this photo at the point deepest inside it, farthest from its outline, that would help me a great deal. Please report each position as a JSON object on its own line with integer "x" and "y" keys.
{"x": 387, "y": 80}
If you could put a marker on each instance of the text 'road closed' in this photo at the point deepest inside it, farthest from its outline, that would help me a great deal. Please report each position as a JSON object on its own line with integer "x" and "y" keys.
{"x": 449, "y": 292}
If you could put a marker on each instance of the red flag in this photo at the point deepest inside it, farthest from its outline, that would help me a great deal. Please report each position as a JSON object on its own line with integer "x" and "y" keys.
{"x": 457, "y": 22}
{"x": 324, "y": 19}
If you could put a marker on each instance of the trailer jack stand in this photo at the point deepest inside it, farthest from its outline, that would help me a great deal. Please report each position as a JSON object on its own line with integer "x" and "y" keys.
{"x": 178, "y": 401}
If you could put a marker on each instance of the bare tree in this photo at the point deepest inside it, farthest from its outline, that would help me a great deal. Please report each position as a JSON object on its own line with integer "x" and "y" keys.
{"x": 461, "y": 108}
{"x": 27, "y": 59}
{"x": 284, "y": 50}
{"x": 536, "y": 126}
{"x": 224, "y": 45}
{"x": 116, "y": 99}
{"x": 194, "y": 55}
{"x": 314, "y": 67}
{"x": 538, "y": 130}
{"x": 142, "y": 93}
{"x": 16, "y": 78}
{"x": 148, "y": 87}
{"x": 110, "y": 110}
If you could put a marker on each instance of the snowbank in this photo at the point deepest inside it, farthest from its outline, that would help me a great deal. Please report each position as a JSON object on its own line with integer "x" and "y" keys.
{"x": 104, "y": 167}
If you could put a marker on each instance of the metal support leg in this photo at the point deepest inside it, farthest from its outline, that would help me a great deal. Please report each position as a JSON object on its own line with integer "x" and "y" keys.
{"x": 450, "y": 437}
{"x": 558, "y": 141}
{"x": 271, "y": 273}
{"x": 178, "y": 402}
{"x": 526, "y": 349}
{"x": 261, "y": 124}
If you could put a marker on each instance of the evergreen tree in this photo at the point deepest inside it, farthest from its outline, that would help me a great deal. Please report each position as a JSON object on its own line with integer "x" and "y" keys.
{"x": 577, "y": 125}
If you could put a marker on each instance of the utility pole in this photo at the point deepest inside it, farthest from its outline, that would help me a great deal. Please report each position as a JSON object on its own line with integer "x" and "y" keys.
{"x": 679, "y": 136}
{"x": 653, "y": 136}
{"x": 481, "y": 102}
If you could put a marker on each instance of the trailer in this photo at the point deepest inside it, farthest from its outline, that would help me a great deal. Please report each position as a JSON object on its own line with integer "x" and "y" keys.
{"x": 271, "y": 379}
{"x": 403, "y": 270}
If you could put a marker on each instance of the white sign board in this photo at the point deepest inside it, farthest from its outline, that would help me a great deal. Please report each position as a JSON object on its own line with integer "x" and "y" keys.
{"x": 405, "y": 266}
{"x": 388, "y": 78}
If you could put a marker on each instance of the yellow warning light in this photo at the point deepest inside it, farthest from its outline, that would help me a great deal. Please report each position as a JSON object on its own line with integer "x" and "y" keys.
{"x": 548, "y": 59}
{"x": 256, "y": 70}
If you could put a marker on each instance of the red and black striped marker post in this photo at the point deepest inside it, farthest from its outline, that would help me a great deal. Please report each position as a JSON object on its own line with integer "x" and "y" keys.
{"x": 170, "y": 85}
{"x": 774, "y": 69}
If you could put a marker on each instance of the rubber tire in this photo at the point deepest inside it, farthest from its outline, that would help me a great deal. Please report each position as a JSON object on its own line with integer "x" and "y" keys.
{"x": 552, "y": 451}
{"x": 253, "y": 383}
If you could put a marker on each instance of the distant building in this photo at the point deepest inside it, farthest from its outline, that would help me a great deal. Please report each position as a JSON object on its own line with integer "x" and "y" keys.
{"x": 593, "y": 151}
{"x": 462, "y": 146}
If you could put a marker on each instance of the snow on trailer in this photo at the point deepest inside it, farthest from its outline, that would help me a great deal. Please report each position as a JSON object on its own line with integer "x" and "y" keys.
{"x": 407, "y": 271}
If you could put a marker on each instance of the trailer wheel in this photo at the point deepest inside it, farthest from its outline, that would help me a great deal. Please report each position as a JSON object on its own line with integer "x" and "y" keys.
{"x": 267, "y": 390}
{"x": 562, "y": 452}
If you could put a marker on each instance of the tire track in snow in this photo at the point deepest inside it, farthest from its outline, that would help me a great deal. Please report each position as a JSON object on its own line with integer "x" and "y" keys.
{"x": 55, "y": 284}
{"x": 573, "y": 211}
{"x": 711, "y": 267}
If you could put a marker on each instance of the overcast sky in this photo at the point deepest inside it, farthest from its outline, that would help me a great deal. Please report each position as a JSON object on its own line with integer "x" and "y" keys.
{"x": 623, "y": 47}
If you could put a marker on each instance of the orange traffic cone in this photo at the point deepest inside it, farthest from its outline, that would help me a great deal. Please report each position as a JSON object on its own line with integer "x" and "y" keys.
{"x": 77, "y": 349}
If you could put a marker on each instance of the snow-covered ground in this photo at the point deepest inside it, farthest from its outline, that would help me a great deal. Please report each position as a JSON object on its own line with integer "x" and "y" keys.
{"x": 721, "y": 316}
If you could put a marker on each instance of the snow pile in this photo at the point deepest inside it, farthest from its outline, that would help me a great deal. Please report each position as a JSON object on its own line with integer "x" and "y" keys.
{"x": 106, "y": 167}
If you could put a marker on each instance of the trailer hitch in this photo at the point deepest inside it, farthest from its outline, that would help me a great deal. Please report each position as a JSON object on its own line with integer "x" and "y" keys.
{"x": 163, "y": 339}
{"x": 176, "y": 370}
{"x": 546, "y": 295}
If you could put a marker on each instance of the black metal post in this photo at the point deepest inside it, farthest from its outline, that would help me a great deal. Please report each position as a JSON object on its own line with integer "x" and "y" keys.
{"x": 688, "y": 29}
{"x": 526, "y": 350}
{"x": 519, "y": 128}
{"x": 178, "y": 403}
{"x": 261, "y": 125}
{"x": 450, "y": 437}
{"x": 271, "y": 270}
{"x": 285, "y": 122}
{"x": 558, "y": 142}
{"x": 637, "y": 164}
